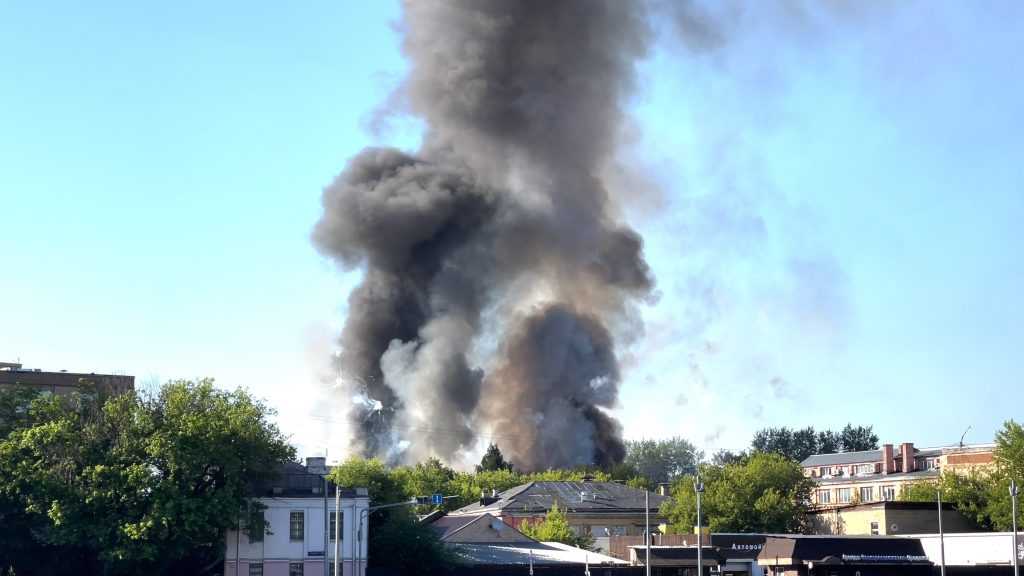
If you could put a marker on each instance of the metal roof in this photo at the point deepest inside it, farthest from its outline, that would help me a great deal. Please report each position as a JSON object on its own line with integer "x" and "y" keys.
{"x": 597, "y": 497}
{"x": 542, "y": 553}
{"x": 840, "y": 458}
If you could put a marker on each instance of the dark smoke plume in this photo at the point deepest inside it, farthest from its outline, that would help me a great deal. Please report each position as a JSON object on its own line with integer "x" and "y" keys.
{"x": 498, "y": 230}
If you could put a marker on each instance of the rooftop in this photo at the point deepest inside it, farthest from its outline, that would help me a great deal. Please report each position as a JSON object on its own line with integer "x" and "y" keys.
{"x": 589, "y": 497}
{"x": 540, "y": 553}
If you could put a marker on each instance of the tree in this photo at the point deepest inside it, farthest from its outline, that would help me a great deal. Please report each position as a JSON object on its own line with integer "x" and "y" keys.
{"x": 661, "y": 460}
{"x": 493, "y": 460}
{"x": 723, "y": 457}
{"x": 765, "y": 493}
{"x": 136, "y": 484}
{"x": 970, "y": 493}
{"x": 402, "y": 544}
{"x": 857, "y": 439}
{"x": 555, "y": 528}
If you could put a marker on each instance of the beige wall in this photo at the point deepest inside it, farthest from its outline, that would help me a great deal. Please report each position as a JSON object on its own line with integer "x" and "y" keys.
{"x": 857, "y": 521}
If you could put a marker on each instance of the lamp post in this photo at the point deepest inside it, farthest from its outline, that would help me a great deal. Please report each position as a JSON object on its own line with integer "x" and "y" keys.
{"x": 698, "y": 487}
{"x": 1013, "y": 511}
{"x": 942, "y": 540}
{"x": 647, "y": 531}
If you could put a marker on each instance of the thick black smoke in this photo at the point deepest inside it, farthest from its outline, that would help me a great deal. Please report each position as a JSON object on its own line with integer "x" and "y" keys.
{"x": 498, "y": 230}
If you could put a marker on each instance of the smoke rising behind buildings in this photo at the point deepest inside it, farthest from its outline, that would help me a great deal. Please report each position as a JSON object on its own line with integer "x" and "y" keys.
{"x": 499, "y": 228}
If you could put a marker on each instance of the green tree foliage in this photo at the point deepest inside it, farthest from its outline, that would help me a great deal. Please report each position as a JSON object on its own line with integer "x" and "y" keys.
{"x": 555, "y": 528}
{"x": 493, "y": 460}
{"x": 400, "y": 543}
{"x": 970, "y": 493}
{"x": 662, "y": 460}
{"x": 799, "y": 444}
{"x": 136, "y": 484}
{"x": 857, "y": 438}
{"x": 763, "y": 493}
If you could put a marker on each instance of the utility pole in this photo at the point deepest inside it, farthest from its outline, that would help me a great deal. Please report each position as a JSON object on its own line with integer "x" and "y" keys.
{"x": 337, "y": 530}
{"x": 1016, "y": 553}
{"x": 647, "y": 531}
{"x": 698, "y": 487}
{"x": 326, "y": 528}
{"x": 942, "y": 539}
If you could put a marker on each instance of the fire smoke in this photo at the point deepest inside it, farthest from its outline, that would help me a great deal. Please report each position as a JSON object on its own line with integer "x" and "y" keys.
{"x": 495, "y": 270}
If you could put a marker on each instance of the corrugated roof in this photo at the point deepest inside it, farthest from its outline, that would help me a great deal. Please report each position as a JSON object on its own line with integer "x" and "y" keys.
{"x": 574, "y": 496}
{"x": 916, "y": 475}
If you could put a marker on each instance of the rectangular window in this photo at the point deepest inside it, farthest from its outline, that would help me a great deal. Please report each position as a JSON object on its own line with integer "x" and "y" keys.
{"x": 843, "y": 495}
{"x": 888, "y": 493}
{"x": 824, "y": 497}
{"x": 822, "y": 471}
{"x": 867, "y": 493}
{"x": 297, "y": 526}
{"x": 340, "y": 516}
{"x": 874, "y": 528}
{"x": 296, "y": 569}
{"x": 256, "y": 569}
{"x": 256, "y": 526}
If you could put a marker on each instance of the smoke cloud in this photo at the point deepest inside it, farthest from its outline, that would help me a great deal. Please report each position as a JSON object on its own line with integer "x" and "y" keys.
{"x": 495, "y": 271}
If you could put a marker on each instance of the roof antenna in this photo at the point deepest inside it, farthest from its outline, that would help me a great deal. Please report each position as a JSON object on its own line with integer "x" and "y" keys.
{"x": 962, "y": 436}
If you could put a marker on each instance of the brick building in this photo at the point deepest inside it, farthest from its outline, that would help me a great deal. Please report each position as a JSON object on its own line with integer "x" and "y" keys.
{"x": 869, "y": 476}
{"x": 13, "y": 374}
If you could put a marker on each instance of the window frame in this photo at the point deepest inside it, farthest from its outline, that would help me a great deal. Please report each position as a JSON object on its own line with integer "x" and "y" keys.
{"x": 330, "y": 525}
{"x": 301, "y": 514}
{"x": 255, "y": 568}
{"x": 874, "y": 528}
{"x": 827, "y": 496}
{"x": 301, "y": 566}
{"x": 839, "y": 495}
{"x": 870, "y": 497}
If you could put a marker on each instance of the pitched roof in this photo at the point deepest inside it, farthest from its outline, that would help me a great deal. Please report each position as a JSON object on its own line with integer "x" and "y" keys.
{"x": 590, "y": 497}
{"x": 840, "y": 458}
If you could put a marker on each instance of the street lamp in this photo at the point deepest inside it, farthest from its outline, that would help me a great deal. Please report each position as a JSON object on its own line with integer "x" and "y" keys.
{"x": 942, "y": 541}
{"x": 698, "y": 487}
{"x": 1013, "y": 500}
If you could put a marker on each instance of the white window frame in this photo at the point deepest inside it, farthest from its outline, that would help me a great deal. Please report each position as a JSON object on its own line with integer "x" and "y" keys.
{"x": 824, "y": 496}
{"x": 840, "y": 492}
{"x": 874, "y": 528}
{"x": 870, "y": 493}
{"x": 888, "y": 493}
{"x": 291, "y": 525}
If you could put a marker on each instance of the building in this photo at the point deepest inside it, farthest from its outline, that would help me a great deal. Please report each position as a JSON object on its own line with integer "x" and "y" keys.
{"x": 600, "y": 509}
{"x": 736, "y": 554}
{"x": 483, "y": 544}
{"x": 13, "y": 374}
{"x": 297, "y": 541}
{"x": 797, "y": 555}
{"x": 880, "y": 475}
{"x": 674, "y": 560}
{"x": 888, "y": 518}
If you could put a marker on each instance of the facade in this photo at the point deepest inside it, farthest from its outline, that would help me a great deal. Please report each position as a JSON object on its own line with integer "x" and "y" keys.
{"x": 296, "y": 542}
{"x": 880, "y": 475}
{"x": 795, "y": 555}
{"x": 969, "y": 552}
{"x": 600, "y": 509}
{"x": 13, "y": 374}
{"x": 888, "y": 518}
{"x": 673, "y": 560}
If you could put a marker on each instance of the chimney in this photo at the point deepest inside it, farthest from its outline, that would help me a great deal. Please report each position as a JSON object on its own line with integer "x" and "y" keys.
{"x": 486, "y": 500}
{"x": 907, "y": 452}
{"x": 316, "y": 465}
{"x": 887, "y": 459}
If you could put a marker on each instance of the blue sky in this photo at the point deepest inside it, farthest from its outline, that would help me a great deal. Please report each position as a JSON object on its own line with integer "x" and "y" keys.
{"x": 832, "y": 215}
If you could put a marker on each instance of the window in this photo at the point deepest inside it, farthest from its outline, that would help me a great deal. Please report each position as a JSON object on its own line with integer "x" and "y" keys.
{"x": 256, "y": 526}
{"x": 256, "y": 569}
{"x": 822, "y": 471}
{"x": 824, "y": 497}
{"x": 297, "y": 526}
{"x": 866, "y": 469}
{"x": 331, "y": 529}
{"x": 874, "y": 528}
{"x": 843, "y": 495}
{"x": 296, "y": 569}
{"x": 888, "y": 493}
{"x": 867, "y": 494}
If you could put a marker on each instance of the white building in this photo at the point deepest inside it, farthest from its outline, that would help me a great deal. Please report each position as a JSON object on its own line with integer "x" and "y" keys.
{"x": 297, "y": 543}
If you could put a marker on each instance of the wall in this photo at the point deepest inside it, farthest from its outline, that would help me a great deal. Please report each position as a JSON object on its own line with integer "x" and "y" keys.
{"x": 277, "y": 549}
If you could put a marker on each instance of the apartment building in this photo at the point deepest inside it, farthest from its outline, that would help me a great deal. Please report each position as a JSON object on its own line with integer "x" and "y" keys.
{"x": 62, "y": 382}
{"x": 298, "y": 540}
{"x": 869, "y": 476}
